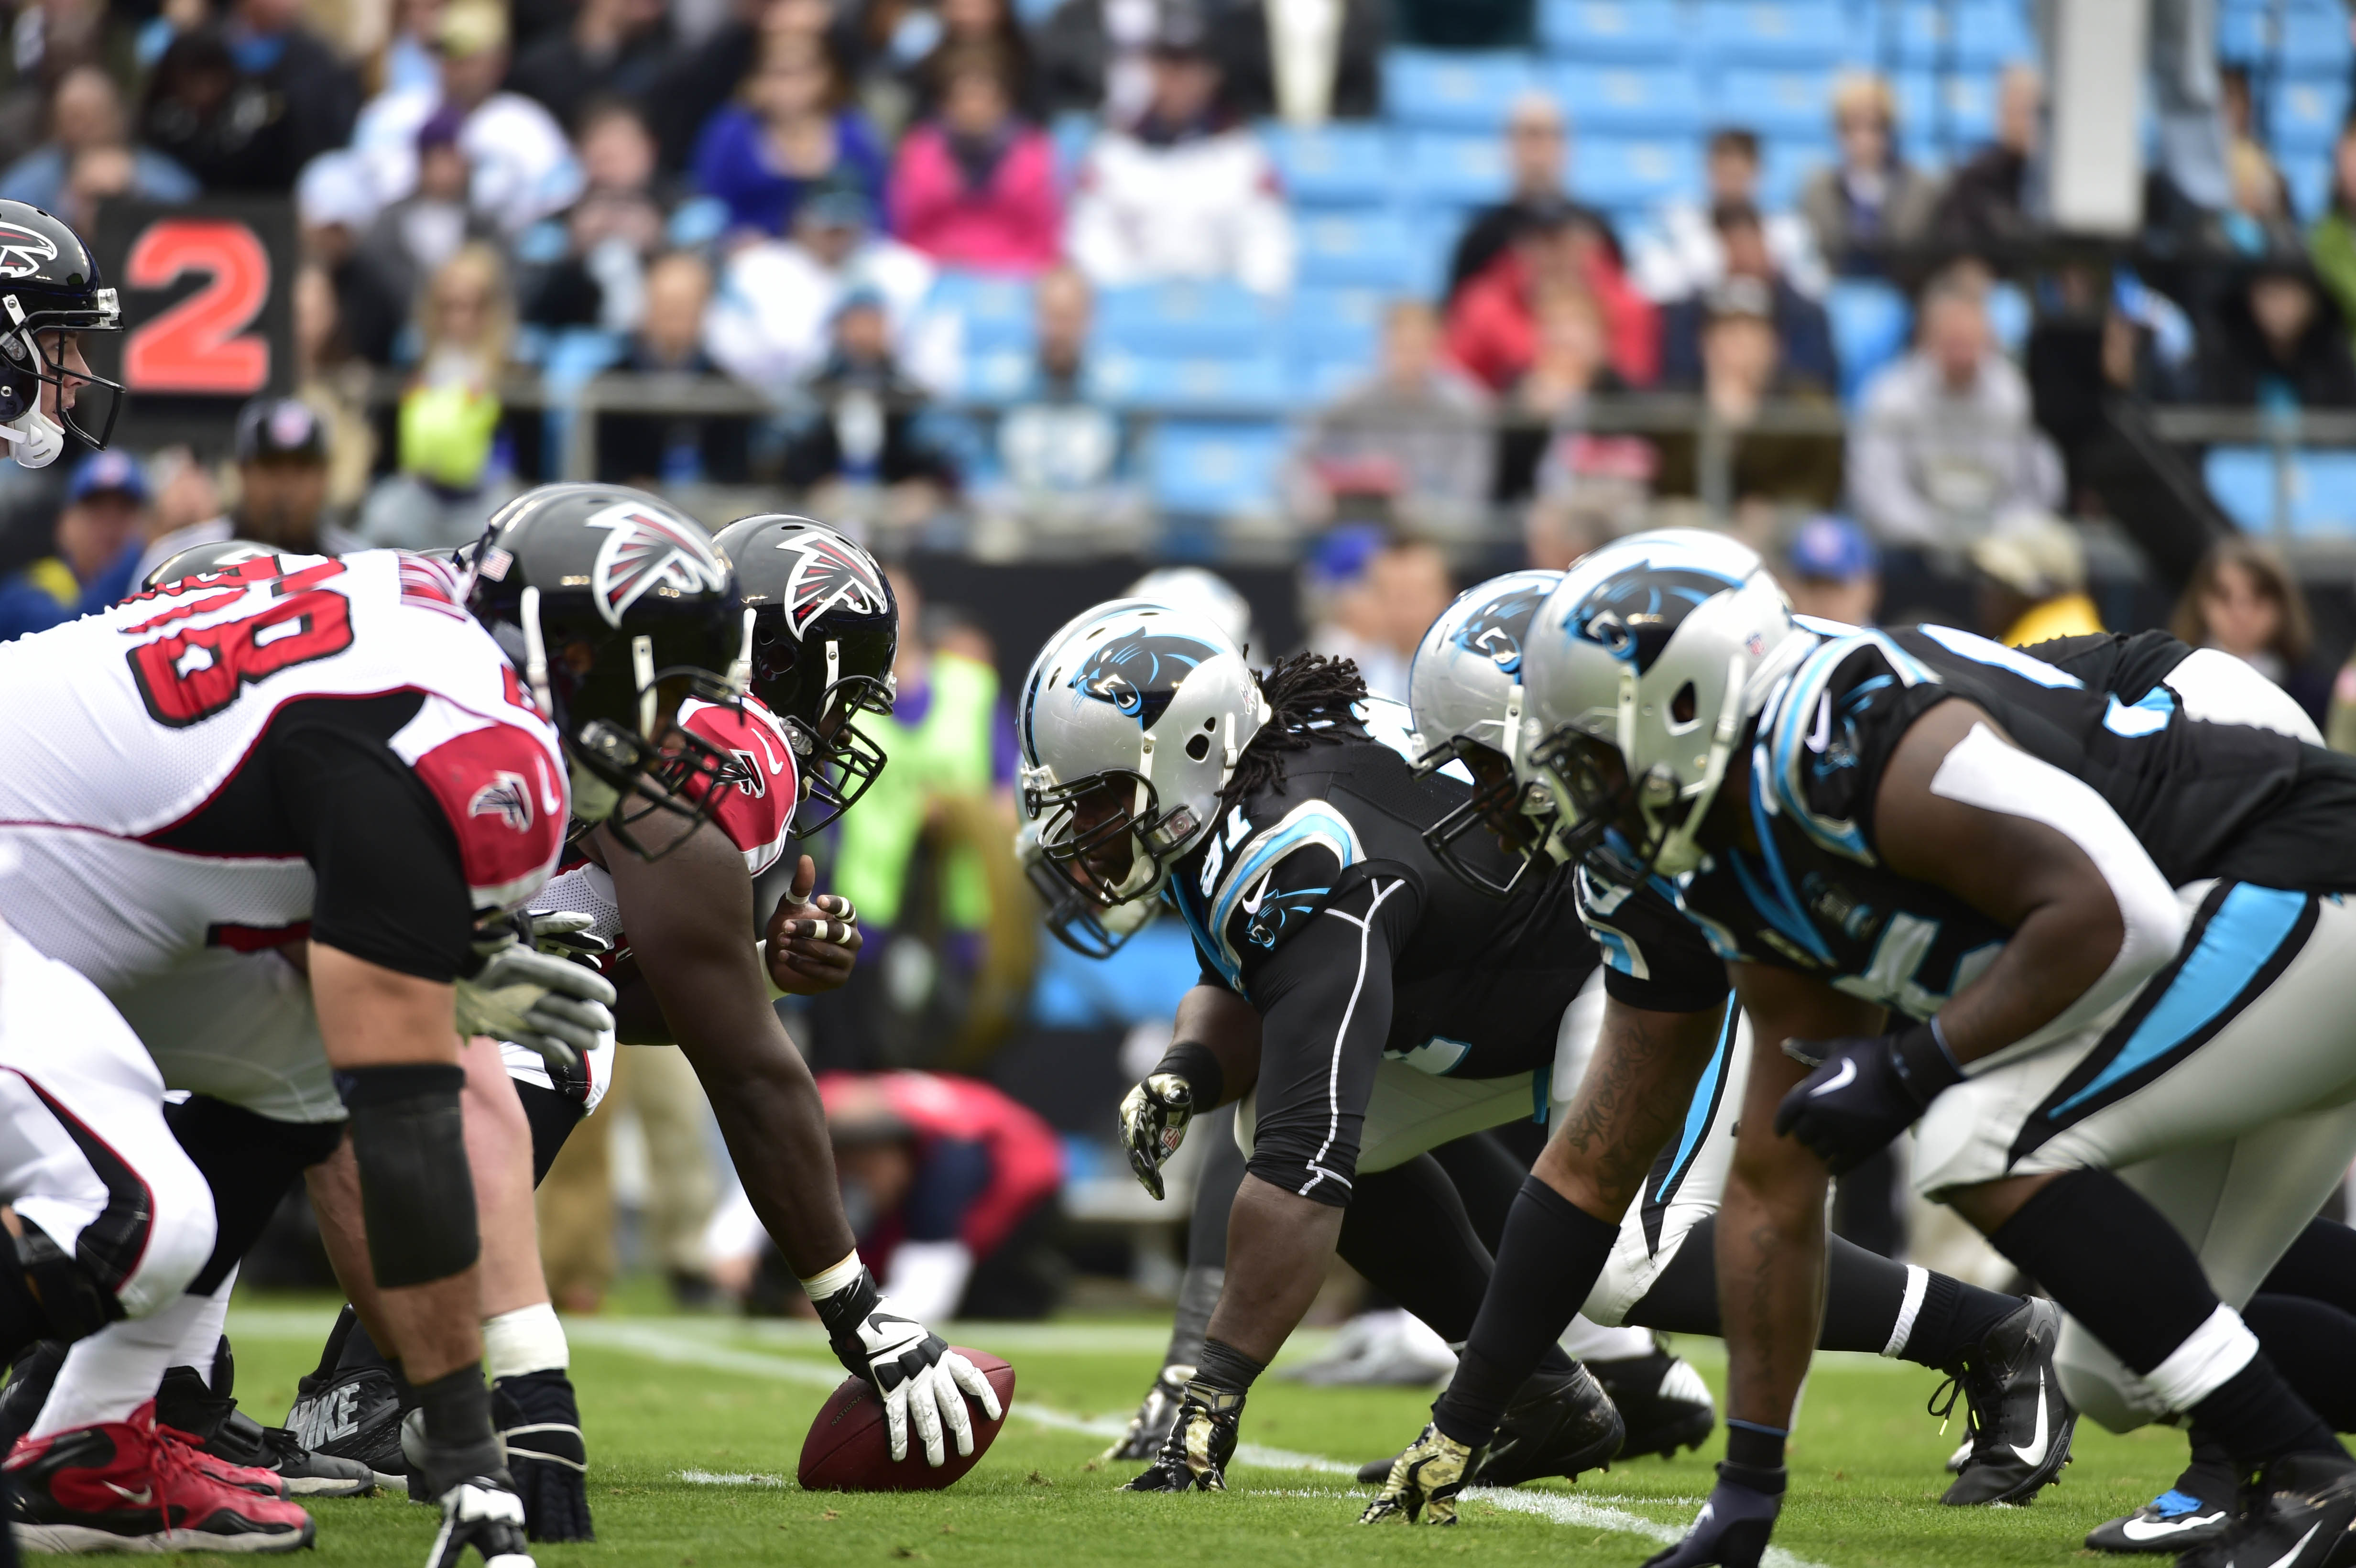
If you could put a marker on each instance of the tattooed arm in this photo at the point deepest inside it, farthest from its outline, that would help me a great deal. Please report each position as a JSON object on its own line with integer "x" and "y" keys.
{"x": 1770, "y": 1223}
{"x": 1629, "y": 1105}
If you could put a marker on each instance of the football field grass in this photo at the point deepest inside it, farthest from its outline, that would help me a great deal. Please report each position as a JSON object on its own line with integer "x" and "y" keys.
{"x": 694, "y": 1423}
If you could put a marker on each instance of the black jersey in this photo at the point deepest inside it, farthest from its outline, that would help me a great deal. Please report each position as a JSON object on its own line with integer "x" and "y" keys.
{"x": 2204, "y": 800}
{"x": 1478, "y": 984}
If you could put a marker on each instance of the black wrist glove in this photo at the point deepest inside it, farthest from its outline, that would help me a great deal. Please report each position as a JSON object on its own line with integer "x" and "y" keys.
{"x": 1732, "y": 1529}
{"x": 1865, "y": 1091}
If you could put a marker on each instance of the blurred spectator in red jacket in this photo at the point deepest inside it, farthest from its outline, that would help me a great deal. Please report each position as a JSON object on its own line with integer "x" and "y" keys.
{"x": 1492, "y": 323}
{"x": 976, "y": 185}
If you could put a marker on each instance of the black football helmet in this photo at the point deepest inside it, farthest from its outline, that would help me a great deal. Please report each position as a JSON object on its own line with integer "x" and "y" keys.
{"x": 613, "y": 606}
{"x": 49, "y": 283}
{"x": 822, "y": 630}
{"x": 201, "y": 560}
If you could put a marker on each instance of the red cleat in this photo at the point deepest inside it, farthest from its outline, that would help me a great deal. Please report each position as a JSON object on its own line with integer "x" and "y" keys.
{"x": 121, "y": 1486}
{"x": 244, "y": 1478}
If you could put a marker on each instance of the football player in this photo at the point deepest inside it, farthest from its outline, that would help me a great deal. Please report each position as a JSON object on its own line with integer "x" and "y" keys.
{"x": 2113, "y": 937}
{"x": 338, "y": 769}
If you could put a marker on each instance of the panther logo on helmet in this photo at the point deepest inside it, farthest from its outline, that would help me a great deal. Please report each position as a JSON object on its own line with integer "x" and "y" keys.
{"x": 23, "y": 252}
{"x": 1496, "y": 632}
{"x": 1632, "y": 614}
{"x": 829, "y": 572}
{"x": 643, "y": 552}
{"x": 1139, "y": 675}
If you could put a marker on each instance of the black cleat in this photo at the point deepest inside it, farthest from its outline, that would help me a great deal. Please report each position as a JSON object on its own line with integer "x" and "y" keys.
{"x": 1557, "y": 1424}
{"x": 2199, "y": 1508}
{"x": 2018, "y": 1423}
{"x": 1202, "y": 1441}
{"x": 2297, "y": 1514}
{"x": 1662, "y": 1400}
{"x": 353, "y": 1413}
{"x": 1156, "y": 1414}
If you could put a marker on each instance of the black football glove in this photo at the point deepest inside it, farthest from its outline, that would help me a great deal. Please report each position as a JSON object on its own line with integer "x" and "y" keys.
{"x": 920, "y": 1378}
{"x": 1732, "y": 1529}
{"x": 539, "y": 1422}
{"x": 1865, "y": 1091}
{"x": 1153, "y": 1118}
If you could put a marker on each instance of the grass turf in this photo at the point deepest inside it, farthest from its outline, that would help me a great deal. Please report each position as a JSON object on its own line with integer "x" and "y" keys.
{"x": 668, "y": 1399}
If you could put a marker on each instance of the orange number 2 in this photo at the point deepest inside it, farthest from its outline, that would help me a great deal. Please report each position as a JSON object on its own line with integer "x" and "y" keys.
{"x": 200, "y": 344}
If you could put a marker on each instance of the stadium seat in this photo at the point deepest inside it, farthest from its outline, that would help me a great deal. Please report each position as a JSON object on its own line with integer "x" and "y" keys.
{"x": 996, "y": 311}
{"x": 1215, "y": 467}
{"x": 2323, "y": 489}
{"x": 1952, "y": 113}
{"x": 1368, "y": 250}
{"x": 1763, "y": 32}
{"x": 1629, "y": 100}
{"x": 1333, "y": 166}
{"x": 1640, "y": 31}
{"x": 1336, "y": 324}
{"x": 2315, "y": 42}
{"x": 1190, "y": 383}
{"x": 2009, "y": 317}
{"x": 1072, "y": 132}
{"x": 1786, "y": 167}
{"x": 1204, "y": 319}
{"x": 1778, "y": 103}
{"x": 2241, "y": 33}
{"x": 997, "y": 373}
{"x": 2304, "y": 116}
{"x": 1976, "y": 35}
{"x": 1316, "y": 382}
{"x": 1870, "y": 321}
{"x": 1454, "y": 170}
{"x": 2308, "y": 175}
{"x": 1454, "y": 91}
{"x": 574, "y": 357}
{"x": 1627, "y": 172}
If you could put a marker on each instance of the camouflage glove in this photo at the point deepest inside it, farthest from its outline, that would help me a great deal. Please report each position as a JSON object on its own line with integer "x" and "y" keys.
{"x": 1153, "y": 1118}
{"x": 1425, "y": 1479}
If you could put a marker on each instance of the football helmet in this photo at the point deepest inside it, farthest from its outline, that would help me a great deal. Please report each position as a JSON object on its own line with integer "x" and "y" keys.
{"x": 1464, "y": 688}
{"x": 613, "y": 606}
{"x": 1132, "y": 721}
{"x": 50, "y": 288}
{"x": 1641, "y": 670}
{"x": 821, "y": 628}
{"x": 198, "y": 559}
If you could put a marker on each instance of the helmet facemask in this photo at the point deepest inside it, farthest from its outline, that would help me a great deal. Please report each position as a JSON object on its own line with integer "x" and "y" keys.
{"x": 29, "y": 368}
{"x": 1107, "y": 836}
{"x": 840, "y": 760}
{"x": 1514, "y": 817}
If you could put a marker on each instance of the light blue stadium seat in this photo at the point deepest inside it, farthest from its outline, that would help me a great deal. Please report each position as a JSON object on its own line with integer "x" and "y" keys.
{"x": 1336, "y": 324}
{"x": 1636, "y": 30}
{"x": 1774, "y": 32}
{"x": 2308, "y": 175}
{"x": 2305, "y": 114}
{"x": 1952, "y": 113}
{"x": 1786, "y": 167}
{"x": 2242, "y": 34}
{"x": 2241, "y": 482}
{"x": 1777, "y": 103}
{"x": 1208, "y": 318}
{"x": 2315, "y": 42}
{"x": 1976, "y": 35}
{"x": 1631, "y": 100}
{"x": 1201, "y": 383}
{"x": 1215, "y": 467}
{"x": 996, "y": 309}
{"x": 573, "y": 356}
{"x": 1072, "y": 132}
{"x": 2323, "y": 489}
{"x": 1339, "y": 164}
{"x": 1366, "y": 250}
{"x": 1446, "y": 92}
{"x": 1316, "y": 382}
{"x": 994, "y": 375}
{"x": 2009, "y": 316}
{"x": 1632, "y": 172}
{"x": 1870, "y": 321}
{"x": 1455, "y": 170}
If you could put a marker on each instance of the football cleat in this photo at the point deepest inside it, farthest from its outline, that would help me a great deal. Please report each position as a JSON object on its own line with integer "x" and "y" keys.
{"x": 2018, "y": 1424}
{"x": 2175, "y": 1521}
{"x": 1202, "y": 1441}
{"x": 120, "y": 1486}
{"x": 1662, "y": 1400}
{"x": 1557, "y": 1424}
{"x": 2298, "y": 1514}
{"x": 353, "y": 1413}
{"x": 539, "y": 1426}
{"x": 1389, "y": 1348}
{"x": 306, "y": 1474}
{"x": 244, "y": 1478}
{"x": 1154, "y": 1415}
{"x": 483, "y": 1512}
{"x": 1424, "y": 1480}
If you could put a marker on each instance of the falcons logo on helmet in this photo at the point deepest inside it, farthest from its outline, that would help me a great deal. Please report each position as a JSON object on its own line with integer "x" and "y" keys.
{"x": 23, "y": 252}
{"x": 829, "y": 572}
{"x": 505, "y": 797}
{"x": 643, "y": 552}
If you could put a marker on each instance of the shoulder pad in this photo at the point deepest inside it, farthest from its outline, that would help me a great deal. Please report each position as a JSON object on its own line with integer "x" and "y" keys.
{"x": 1246, "y": 901}
{"x": 1811, "y": 724}
{"x": 501, "y": 792}
{"x": 757, "y": 811}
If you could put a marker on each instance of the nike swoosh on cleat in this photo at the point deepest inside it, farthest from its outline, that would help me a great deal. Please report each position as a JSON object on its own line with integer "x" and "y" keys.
{"x": 2287, "y": 1558}
{"x": 1841, "y": 1079}
{"x": 2034, "y": 1454}
{"x": 2161, "y": 1530}
{"x": 139, "y": 1499}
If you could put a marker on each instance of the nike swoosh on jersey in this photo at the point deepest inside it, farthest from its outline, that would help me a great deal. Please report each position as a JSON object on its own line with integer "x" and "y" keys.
{"x": 2034, "y": 1454}
{"x": 1824, "y": 733}
{"x": 1842, "y": 1080}
{"x": 2160, "y": 1529}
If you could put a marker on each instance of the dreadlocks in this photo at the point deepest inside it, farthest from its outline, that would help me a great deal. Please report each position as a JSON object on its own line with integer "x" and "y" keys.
{"x": 1310, "y": 697}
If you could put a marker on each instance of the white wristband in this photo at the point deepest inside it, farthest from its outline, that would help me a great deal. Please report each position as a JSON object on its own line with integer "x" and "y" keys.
{"x": 762, "y": 947}
{"x": 829, "y": 1282}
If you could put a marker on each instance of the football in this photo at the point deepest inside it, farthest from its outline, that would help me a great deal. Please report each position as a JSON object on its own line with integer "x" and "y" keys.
{"x": 848, "y": 1449}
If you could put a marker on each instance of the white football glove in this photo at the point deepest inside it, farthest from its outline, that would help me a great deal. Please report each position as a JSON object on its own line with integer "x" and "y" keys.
{"x": 545, "y": 996}
{"x": 920, "y": 1378}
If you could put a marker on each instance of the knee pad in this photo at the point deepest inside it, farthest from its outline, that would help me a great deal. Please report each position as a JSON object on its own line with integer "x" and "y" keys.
{"x": 2100, "y": 1384}
{"x": 417, "y": 1192}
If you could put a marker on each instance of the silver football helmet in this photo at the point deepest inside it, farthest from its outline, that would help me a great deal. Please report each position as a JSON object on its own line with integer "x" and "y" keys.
{"x": 1131, "y": 720}
{"x": 1465, "y": 690}
{"x": 1642, "y": 669}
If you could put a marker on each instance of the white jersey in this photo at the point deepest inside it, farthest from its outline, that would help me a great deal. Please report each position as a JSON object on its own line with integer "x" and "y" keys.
{"x": 123, "y": 736}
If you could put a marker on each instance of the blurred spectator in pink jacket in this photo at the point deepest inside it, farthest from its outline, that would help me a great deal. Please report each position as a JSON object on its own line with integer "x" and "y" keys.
{"x": 976, "y": 185}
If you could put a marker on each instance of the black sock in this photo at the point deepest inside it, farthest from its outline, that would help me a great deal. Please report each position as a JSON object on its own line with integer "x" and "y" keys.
{"x": 1198, "y": 1294}
{"x": 1550, "y": 1257}
{"x": 1755, "y": 1446}
{"x": 460, "y": 1440}
{"x": 1214, "y": 1188}
{"x": 2256, "y": 1417}
{"x": 1953, "y": 1319}
{"x": 2313, "y": 1343}
{"x": 1226, "y": 1369}
{"x": 1488, "y": 1177}
{"x": 2321, "y": 1266}
{"x": 2113, "y": 1263}
{"x": 1406, "y": 1229}
{"x": 2210, "y": 1475}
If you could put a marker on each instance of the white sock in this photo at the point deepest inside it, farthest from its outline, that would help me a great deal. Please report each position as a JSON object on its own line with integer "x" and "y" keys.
{"x": 118, "y": 1368}
{"x": 529, "y": 1340}
{"x": 201, "y": 1343}
{"x": 1587, "y": 1341}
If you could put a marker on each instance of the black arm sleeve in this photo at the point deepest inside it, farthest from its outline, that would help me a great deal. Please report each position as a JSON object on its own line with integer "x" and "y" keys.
{"x": 1324, "y": 1001}
{"x": 390, "y": 886}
